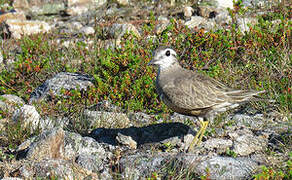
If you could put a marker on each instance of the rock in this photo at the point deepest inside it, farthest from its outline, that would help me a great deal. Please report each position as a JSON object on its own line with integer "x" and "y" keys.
{"x": 188, "y": 11}
{"x": 48, "y": 145}
{"x": 255, "y": 122}
{"x": 123, "y": 2}
{"x": 208, "y": 11}
{"x": 162, "y": 25}
{"x": 12, "y": 15}
{"x": 12, "y": 178}
{"x": 87, "y": 30}
{"x": 246, "y": 143}
{"x": 77, "y": 7}
{"x": 17, "y": 28}
{"x": 117, "y": 31}
{"x": 243, "y": 23}
{"x": 223, "y": 18}
{"x": 126, "y": 141}
{"x": 223, "y": 4}
{"x": 219, "y": 145}
{"x": 141, "y": 118}
{"x": 226, "y": 167}
{"x": 57, "y": 168}
{"x": 39, "y": 7}
{"x": 29, "y": 117}
{"x": 106, "y": 119}
{"x": 196, "y": 21}
{"x": 105, "y": 106}
{"x": 10, "y": 103}
{"x": 139, "y": 165}
{"x": 90, "y": 162}
{"x": 76, "y": 145}
{"x": 63, "y": 80}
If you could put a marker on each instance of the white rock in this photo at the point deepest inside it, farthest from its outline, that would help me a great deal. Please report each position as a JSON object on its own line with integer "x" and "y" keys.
{"x": 188, "y": 11}
{"x": 87, "y": 30}
{"x": 77, "y": 7}
{"x": 244, "y": 22}
{"x": 123, "y": 2}
{"x": 10, "y": 102}
{"x": 225, "y": 3}
{"x": 117, "y": 31}
{"x": 18, "y": 28}
{"x": 195, "y": 21}
{"x": 28, "y": 115}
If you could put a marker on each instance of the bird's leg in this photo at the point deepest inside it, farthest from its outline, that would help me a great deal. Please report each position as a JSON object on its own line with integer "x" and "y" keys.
{"x": 197, "y": 139}
{"x": 204, "y": 123}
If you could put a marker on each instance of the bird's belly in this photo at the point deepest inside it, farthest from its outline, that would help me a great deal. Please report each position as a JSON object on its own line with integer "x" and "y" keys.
{"x": 188, "y": 112}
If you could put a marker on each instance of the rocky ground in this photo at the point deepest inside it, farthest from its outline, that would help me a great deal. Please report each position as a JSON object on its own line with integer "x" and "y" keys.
{"x": 130, "y": 145}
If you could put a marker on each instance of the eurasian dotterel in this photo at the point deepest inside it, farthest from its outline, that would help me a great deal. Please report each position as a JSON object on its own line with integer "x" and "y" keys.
{"x": 192, "y": 93}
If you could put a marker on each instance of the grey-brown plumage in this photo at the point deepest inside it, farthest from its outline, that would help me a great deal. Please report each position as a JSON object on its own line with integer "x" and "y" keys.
{"x": 191, "y": 93}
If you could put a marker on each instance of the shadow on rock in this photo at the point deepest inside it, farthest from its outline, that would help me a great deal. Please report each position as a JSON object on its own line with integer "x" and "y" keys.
{"x": 143, "y": 135}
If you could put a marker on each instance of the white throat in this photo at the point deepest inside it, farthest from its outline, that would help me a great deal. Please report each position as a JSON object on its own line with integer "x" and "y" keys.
{"x": 166, "y": 63}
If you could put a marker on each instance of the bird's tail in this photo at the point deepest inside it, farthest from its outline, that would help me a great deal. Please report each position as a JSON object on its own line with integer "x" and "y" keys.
{"x": 240, "y": 96}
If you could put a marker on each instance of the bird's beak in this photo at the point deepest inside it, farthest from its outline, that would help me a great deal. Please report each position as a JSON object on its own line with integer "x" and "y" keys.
{"x": 152, "y": 62}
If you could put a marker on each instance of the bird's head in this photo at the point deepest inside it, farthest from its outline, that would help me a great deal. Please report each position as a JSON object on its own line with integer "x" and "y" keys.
{"x": 164, "y": 57}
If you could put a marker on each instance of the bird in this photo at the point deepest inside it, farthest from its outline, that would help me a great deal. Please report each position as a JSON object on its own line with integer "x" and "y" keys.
{"x": 192, "y": 93}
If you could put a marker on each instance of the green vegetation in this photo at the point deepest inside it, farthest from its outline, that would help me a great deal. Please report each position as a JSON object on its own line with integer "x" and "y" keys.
{"x": 259, "y": 59}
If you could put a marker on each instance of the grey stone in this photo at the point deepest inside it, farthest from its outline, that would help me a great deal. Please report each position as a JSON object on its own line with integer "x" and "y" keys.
{"x": 227, "y": 168}
{"x": 106, "y": 119}
{"x": 60, "y": 169}
{"x": 76, "y": 145}
{"x": 10, "y": 102}
{"x": 87, "y": 30}
{"x": 17, "y": 28}
{"x": 246, "y": 143}
{"x": 220, "y": 145}
{"x": 48, "y": 145}
{"x": 63, "y": 80}
{"x": 77, "y": 7}
{"x": 195, "y": 21}
{"x": 223, "y": 4}
{"x": 117, "y": 31}
{"x": 90, "y": 162}
{"x": 12, "y": 15}
{"x": 126, "y": 141}
{"x": 243, "y": 23}
{"x": 188, "y": 11}
{"x": 123, "y": 2}
{"x": 37, "y": 7}
{"x": 29, "y": 116}
{"x": 256, "y": 121}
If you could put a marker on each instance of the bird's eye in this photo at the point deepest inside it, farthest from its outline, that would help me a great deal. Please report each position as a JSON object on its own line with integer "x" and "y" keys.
{"x": 167, "y": 53}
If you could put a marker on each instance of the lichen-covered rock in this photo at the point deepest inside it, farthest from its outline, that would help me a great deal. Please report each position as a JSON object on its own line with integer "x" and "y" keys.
{"x": 126, "y": 141}
{"x": 48, "y": 145}
{"x": 10, "y": 102}
{"x": 12, "y": 15}
{"x": 220, "y": 167}
{"x": 55, "y": 168}
{"x": 29, "y": 117}
{"x": 106, "y": 119}
{"x": 245, "y": 142}
{"x": 63, "y": 80}
{"x": 117, "y": 31}
{"x": 218, "y": 145}
{"x": 18, "y": 28}
{"x": 77, "y": 7}
{"x": 39, "y": 7}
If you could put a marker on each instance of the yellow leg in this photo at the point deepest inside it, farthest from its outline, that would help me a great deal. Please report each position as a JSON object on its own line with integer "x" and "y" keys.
{"x": 198, "y": 138}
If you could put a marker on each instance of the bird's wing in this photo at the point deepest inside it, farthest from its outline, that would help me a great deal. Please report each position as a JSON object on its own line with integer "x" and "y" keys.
{"x": 195, "y": 92}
